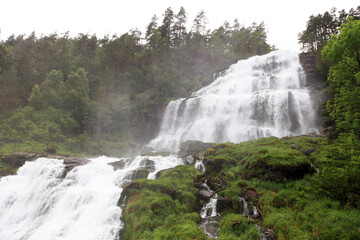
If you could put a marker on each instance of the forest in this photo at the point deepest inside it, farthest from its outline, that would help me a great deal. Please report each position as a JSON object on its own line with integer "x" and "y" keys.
{"x": 106, "y": 95}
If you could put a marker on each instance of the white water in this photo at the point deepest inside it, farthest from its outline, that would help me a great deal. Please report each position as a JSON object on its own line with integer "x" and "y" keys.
{"x": 259, "y": 97}
{"x": 208, "y": 213}
{"x": 199, "y": 165}
{"x": 262, "y": 96}
{"x": 38, "y": 204}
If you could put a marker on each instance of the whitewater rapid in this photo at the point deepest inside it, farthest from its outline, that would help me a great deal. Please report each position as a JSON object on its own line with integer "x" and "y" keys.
{"x": 40, "y": 203}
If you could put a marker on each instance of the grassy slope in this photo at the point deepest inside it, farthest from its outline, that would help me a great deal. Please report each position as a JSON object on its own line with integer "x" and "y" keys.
{"x": 294, "y": 199}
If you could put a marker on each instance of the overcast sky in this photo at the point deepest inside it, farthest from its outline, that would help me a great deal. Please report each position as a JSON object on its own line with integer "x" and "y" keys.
{"x": 284, "y": 19}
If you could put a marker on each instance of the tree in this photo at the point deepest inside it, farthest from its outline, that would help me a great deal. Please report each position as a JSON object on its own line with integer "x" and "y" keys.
{"x": 343, "y": 53}
{"x": 49, "y": 93}
{"x": 321, "y": 27}
{"x": 179, "y": 28}
{"x": 199, "y": 25}
{"x": 77, "y": 100}
{"x": 167, "y": 26}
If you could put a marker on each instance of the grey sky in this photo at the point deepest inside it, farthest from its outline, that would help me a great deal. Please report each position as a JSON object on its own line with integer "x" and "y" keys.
{"x": 284, "y": 19}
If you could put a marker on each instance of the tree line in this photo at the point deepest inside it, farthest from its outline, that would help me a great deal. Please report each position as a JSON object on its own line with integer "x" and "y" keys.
{"x": 75, "y": 90}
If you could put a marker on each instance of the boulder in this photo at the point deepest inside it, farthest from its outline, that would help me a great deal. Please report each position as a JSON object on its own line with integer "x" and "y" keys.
{"x": 193, "y": 147}
{"x": 149, "y": 164}
{"x": 223, "y": 204}
{"x": 205, "y": 194}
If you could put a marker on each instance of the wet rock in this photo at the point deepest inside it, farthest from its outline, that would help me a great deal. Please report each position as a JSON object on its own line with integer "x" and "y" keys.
{"x": 250, "y": 194}
{"x": 127, "y": 187}
{"x": 118, "y": 164}
{"x": 266, "y": 234}
{"x": 205, "y": 194}
{"x": 189, "y": 160}
{"x": 71, "y": 162}
{"x": 210, "y": 226}
{"x": 309, "y": 151}
{"x": 149, "y": 164}
{"x": 223, "y": 204}
{"x": 137, "y": 174}
{"x": 193, "y": 147}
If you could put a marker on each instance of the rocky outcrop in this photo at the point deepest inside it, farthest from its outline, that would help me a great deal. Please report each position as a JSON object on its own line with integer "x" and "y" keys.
{"x": 193, "y": 147}
{"x": 316, "y": 82}
{"x": 314, "y": 78}
{"x": 18, "y": 159}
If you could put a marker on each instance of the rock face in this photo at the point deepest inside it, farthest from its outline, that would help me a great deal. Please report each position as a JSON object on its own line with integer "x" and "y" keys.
{"x": 193, "y": 147}
{"x": 316, "y": 81}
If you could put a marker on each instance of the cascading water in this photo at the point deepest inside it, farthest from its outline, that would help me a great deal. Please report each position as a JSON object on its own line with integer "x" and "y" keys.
{"x": 259, "y": 97}
{"x": 40, "y": 204}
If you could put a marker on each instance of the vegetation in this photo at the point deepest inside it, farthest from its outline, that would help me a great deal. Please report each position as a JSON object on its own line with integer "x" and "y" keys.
{"x": 320, "y": 203}
{"x": 106, "y": 95}
{"x": 343, "y": 53}
{"x": 164, "y": 208}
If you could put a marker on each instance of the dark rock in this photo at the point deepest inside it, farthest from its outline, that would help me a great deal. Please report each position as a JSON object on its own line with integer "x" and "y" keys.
{"x": 223, "y": 204}
{"x": 250, "y": 194}
{"x": 149, "y": 164}
{"x": 50, "y": 150}
{"x": 71, "y": 162}
{"x": 309, "y": 151}
{"x": 127, "y": 187}
{"x": 267, "y": 234}
{"x": 137, "y": 174}
{"x": 293, "y": 113}
{"x": 193, "y": 147}
{"x": 119, "y": 164}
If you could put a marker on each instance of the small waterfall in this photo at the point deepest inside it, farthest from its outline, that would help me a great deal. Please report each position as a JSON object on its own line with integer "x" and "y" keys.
{"x": 259, "y": 97}
{"x": 209, "y": 215}
{"x": 39, "y": 203}
{"x": 199, "y": 165}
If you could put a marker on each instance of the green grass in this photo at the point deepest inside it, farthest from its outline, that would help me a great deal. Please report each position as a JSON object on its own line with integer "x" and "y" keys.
{"x": 165, "y": 208}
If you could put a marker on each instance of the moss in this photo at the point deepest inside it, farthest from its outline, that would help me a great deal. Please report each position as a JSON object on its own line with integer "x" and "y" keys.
{"x": 235, "y": 226}
{"x": 295, "y": 200}
{"x": 163, "y": 208}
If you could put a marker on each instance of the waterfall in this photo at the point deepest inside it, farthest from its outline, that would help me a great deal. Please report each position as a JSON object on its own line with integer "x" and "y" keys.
{"x": 259, "y": 97}
{"x": 39, "y": 203}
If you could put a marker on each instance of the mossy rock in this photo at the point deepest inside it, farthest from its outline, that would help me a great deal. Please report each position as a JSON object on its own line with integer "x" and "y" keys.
{"x": 267, "y": 158}
{"x": 193, "y": 147}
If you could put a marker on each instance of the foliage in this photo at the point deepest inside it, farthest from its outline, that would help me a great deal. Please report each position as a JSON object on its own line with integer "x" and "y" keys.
{"x": 319, "y": 204}
{"x": 321, "y": 27}
{"x": 163, "y": 208}
{"x": 237, "y": 227}
{"x": 343, "y": 51}
{"x": 112, "y": 89}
